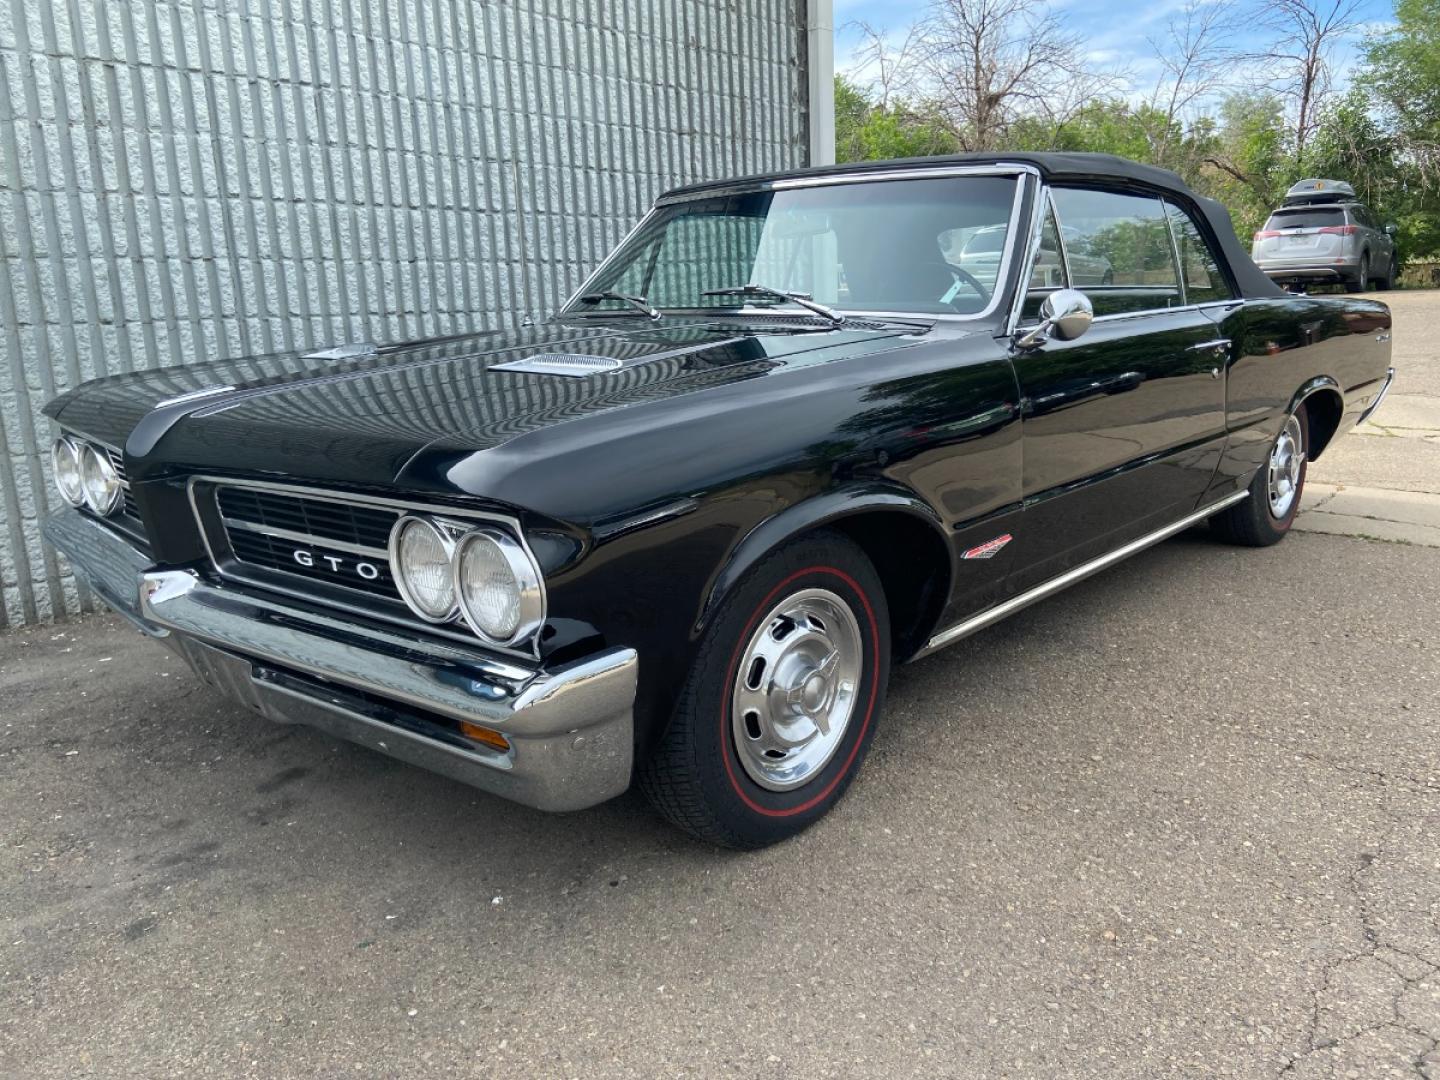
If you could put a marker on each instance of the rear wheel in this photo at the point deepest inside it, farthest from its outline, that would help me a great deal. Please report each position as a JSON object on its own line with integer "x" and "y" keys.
{"x": 1362, "y": 277}
{"x": 1388, "y": 281}
{"x": 1266, "y": 516}
{"x": 781, "y": 704}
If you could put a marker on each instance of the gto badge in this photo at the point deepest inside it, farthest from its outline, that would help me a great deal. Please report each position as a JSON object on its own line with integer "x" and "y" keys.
{"x": 306, "y": 558}
{"x": 989, "y": 548}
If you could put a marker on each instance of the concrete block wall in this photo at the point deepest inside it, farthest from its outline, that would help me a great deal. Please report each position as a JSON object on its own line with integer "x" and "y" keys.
{"x": 184, "y": 180}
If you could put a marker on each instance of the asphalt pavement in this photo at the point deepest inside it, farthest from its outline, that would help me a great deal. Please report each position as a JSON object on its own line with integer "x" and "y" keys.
{"x": 1178, "y": 821}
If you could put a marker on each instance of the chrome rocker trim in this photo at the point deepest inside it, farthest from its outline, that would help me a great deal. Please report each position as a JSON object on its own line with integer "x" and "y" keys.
{"x": 570, "y": 730}
{"x": 993, "y": 615}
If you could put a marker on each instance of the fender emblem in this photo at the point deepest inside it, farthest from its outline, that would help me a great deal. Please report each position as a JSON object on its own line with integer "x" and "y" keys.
{"x": 988, "y": 549}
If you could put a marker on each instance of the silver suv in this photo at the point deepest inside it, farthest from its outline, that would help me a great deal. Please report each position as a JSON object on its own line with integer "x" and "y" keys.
{"x": 1322, "y": 234}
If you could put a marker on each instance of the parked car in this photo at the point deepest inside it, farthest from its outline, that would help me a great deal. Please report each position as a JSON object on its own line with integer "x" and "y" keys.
{"x": 980, "y": 253}
{"x": 679, "y": 533}
{"x": 1323, "y": 234}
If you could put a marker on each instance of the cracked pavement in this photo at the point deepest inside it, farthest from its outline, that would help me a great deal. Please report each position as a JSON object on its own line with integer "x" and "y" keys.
{"x": 1179, "y": 821}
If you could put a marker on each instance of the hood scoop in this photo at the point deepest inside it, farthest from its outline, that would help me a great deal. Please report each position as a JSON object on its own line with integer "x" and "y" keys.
{"x": 579, "y": 365}
{"x": 574, "y": 365}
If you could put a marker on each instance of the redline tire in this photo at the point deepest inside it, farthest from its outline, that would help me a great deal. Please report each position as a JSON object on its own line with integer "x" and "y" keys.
{"x": 698, "y": 777}
{"x": 1253, "y": 522}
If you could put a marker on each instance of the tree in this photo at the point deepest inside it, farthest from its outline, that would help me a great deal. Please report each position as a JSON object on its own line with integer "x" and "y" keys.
{"x": 868, "y": 132}
{"x": 1195, "y": 57}
{"x": 1401, "y": 75}
{"x": 1249, "y": 165}
{"x": 981, "y": 65}
{"x": 1305, "y": 33}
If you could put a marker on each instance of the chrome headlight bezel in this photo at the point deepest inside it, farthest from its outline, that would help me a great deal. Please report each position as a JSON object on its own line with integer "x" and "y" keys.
{"x": 528, "y": 582}
{"x": 62, "y": 449}
{"x": 95, "y": 465}
{"x": 398, "y": 571}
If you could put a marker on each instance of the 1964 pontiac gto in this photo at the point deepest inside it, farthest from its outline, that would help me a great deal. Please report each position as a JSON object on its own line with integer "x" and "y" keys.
{"x": 677, "y": 535}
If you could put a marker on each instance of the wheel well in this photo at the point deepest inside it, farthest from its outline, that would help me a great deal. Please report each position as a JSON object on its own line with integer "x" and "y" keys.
{"x": 1323, "y": 410}
{"x": 914, "y": 567}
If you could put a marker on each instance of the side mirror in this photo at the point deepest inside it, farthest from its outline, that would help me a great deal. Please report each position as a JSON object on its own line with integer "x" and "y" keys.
{"x": 1065, "y": 313}
{"x": 1390, "y": 229}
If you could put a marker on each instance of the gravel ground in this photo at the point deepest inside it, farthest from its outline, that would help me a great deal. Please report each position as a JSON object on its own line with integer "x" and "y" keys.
{"x": 1179, "y": 821}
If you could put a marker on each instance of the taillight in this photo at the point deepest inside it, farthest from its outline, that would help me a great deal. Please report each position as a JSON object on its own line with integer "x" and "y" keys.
{"x": 1339, "y": 230}
{"x": 1266, "y": 234}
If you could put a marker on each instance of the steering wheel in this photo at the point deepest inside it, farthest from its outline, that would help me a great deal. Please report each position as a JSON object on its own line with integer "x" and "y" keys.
{"x": 964, "y": 277}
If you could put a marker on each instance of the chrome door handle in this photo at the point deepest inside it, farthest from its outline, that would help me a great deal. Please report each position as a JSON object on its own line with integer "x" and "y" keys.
{"x": 1218, "y": 345}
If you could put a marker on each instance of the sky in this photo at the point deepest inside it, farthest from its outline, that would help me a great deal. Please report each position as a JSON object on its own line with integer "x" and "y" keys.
{"x": 1118, "y": 42}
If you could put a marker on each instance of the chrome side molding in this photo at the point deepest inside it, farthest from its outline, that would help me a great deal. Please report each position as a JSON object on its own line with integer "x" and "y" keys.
{"x": 1000, "y": 611}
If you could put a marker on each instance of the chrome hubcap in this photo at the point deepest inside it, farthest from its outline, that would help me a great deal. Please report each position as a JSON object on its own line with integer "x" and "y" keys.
{"x": 1287, "y": 458}
{"x": 795, "y": 688}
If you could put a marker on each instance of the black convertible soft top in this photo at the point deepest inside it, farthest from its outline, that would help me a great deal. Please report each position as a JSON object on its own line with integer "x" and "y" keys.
{"x": 1058, "y": 168}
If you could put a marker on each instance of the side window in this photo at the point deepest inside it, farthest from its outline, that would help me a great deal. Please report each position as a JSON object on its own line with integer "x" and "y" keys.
{"x": 1118, "y": 249}
{"x": 1047, "y": 271}
{"x": 1204, "y": 281}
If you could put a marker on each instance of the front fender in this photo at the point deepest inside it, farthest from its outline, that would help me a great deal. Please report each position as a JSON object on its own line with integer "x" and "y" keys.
{"x": 827, "y": 508}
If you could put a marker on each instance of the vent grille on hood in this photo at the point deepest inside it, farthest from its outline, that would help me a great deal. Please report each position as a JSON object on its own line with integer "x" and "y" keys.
{"x": 575, "y": 365}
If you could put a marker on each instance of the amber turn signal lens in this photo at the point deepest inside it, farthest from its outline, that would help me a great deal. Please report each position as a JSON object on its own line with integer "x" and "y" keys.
{"x": 485, "y": 736}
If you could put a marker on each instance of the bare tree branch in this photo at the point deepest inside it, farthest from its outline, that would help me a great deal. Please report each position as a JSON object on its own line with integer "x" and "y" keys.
{"x": 983, "y": 64}
{"x": 1196, "y": 58}
{"x": 1306, "y": 33}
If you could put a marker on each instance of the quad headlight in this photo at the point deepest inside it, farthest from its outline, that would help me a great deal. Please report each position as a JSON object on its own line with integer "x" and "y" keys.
{"x": 498, "y": 586}
{"x": 99, "y": 480}
{"x": 65, "y": 466}
{"x": 85, "y": 476}
{"x": 446, "y": 570}
{"x": 420, "y": 556}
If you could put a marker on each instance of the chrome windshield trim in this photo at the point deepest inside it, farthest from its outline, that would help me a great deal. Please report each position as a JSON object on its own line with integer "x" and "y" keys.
{"x": 1048, "y": 588}
{"x": 938, "y": 172}
{"x": 918, "y": 172}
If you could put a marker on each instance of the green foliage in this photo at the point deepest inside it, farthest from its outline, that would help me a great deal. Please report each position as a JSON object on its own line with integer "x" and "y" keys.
{"x": 1400, "y": 81}
{"x": 1383, "y": 136}
{"x": 871, "y": 132}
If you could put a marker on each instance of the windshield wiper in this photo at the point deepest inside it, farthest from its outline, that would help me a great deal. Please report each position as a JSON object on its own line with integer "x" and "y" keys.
{"x": 637, "y": 302}
{"x": 803, "y": 299}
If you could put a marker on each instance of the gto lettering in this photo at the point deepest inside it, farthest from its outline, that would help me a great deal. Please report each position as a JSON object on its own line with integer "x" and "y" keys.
{"x": 368, "y": 571}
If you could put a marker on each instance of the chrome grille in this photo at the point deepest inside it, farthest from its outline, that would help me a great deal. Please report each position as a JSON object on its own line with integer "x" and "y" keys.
{"x": 309, "y": 518}
{"x": 117, "y": 459}
{"x": 253, "y": 531}
{"x": 278, "y": 553}
{"x": 314, "y": 538}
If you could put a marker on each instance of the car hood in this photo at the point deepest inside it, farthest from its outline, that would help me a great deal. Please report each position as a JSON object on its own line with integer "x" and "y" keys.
{"x": 361, "y": 418}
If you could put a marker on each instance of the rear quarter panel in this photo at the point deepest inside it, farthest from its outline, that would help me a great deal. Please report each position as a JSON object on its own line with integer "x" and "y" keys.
{"x": 1285, "y": 348}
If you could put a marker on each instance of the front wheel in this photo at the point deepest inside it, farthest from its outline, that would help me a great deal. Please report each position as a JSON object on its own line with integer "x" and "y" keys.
{"x": 1266, "y": 516}
{"x": 782, "y": 701}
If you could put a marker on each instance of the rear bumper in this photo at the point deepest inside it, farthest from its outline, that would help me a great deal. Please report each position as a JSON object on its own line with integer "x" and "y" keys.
{"x": 570, "y": 729}
{"x": 1369, "y": 410}
{"x": 1281, "y": 270}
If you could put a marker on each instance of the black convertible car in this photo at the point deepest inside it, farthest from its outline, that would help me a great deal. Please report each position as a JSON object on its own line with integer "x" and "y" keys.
{"x": 678, "y": 534}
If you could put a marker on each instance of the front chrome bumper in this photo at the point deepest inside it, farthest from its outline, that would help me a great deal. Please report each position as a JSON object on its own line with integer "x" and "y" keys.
{"x": 570, "y": 729}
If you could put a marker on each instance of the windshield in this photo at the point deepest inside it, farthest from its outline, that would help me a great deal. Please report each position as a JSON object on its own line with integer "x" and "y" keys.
{"x": 882, "y": 246}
